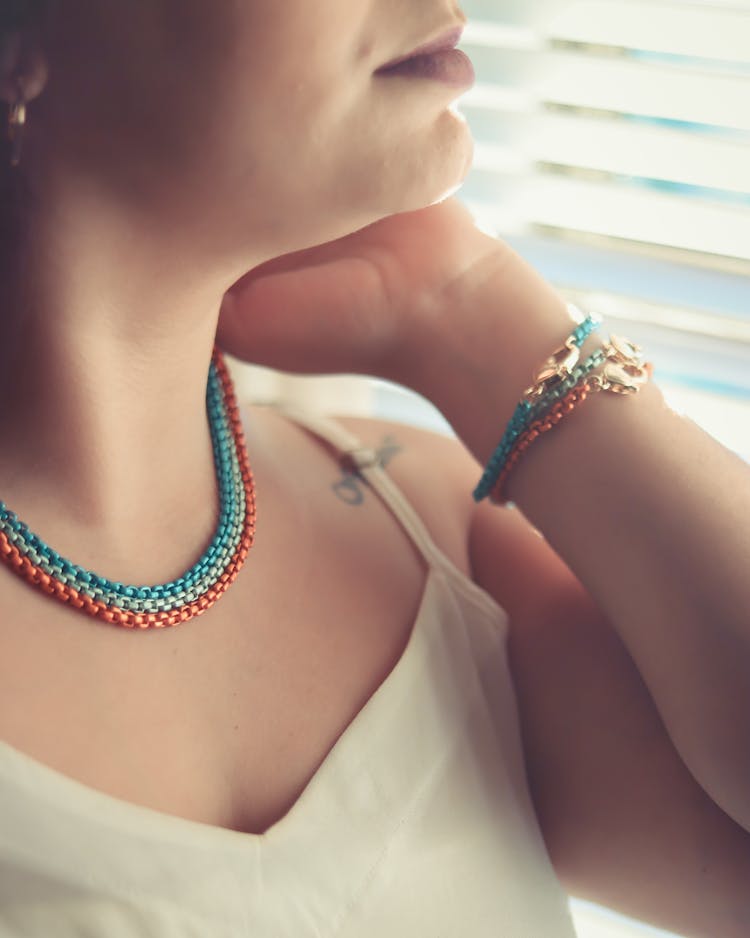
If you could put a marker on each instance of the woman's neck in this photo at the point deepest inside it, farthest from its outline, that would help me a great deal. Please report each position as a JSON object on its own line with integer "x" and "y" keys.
{"x": 106, "y": 344}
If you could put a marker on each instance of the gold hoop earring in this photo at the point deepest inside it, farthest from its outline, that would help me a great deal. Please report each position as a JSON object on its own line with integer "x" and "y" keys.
{"x": 16, "y": 124}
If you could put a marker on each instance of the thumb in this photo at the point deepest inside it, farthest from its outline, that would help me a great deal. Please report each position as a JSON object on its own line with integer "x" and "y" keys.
{"x": 317, "y": 319}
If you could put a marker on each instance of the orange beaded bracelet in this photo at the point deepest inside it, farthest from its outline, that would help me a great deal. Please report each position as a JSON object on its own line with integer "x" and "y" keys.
{"x": 623, "y": 373}
{"x": 553, "y": 416}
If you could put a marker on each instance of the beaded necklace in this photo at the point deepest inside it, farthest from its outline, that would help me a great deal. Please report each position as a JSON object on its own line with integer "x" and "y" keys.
{"x": 196, "y": 590}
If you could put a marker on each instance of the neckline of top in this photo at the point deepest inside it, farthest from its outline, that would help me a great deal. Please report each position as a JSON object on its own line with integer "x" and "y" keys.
{"x": 152, "y": 823}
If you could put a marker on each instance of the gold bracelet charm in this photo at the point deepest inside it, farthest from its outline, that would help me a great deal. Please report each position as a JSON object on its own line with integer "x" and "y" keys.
{"x": 624, "y": 371}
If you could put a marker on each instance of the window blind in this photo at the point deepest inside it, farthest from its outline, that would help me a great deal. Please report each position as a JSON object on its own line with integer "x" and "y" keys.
{"x": 613, "y": 152}
{"x": 617, "y": 118}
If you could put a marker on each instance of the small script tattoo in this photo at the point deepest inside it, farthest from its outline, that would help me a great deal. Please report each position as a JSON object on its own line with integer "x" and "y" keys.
{"x": 351, "y": 487}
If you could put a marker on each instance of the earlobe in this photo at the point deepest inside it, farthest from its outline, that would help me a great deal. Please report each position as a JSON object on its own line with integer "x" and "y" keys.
{"x": 23, "y": 67}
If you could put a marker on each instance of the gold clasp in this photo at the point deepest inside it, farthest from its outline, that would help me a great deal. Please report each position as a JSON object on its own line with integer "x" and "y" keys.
{"x": 555, "y": 369}
{"x": 622, "y": 379}
{"x": 623, "y": 371}
{"x": 623, "y": 350}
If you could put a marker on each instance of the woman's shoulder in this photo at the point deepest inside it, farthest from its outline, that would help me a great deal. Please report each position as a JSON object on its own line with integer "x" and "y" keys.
{"x": 496, "y": 548}
{"x": 434, "y": 471}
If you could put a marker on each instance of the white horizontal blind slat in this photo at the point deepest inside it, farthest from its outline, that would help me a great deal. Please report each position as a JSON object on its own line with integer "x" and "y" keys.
{"x": 721, "y": 34}
{"x": 514, "y": 201}
{"x": 696, "y": 93}
{"x": 610, "y": 146}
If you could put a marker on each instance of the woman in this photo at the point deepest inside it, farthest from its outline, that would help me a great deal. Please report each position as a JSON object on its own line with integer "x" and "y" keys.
{"x": 331, "y": 740}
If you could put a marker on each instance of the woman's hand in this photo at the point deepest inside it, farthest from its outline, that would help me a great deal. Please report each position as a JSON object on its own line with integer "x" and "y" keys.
{"x": 369, "y": 303}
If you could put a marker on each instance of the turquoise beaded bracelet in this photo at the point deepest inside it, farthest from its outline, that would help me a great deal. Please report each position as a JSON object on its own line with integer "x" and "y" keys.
{"x": 528, "y": 410}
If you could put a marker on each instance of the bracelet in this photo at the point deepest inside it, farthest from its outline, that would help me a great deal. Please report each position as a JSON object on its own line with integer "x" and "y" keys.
{"x": 533, "y": 413}
{"x": 567, "y": 405}
{"x": 623, "y": 373}
{"x": 561, "y": 362}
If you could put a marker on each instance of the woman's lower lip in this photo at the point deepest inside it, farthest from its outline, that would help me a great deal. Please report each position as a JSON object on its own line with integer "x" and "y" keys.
{"x": 450, "y": 65}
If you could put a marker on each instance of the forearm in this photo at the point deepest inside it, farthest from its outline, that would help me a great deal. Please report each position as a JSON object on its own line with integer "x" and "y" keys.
{"x": 652, "y": 516}
{"x": 650, "y": 513}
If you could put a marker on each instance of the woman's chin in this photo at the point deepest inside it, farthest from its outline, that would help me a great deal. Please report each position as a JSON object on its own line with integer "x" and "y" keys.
{"x": 445, "y": 183}
{"x": 446, "y": 165}
{"x": 412, "y": 176}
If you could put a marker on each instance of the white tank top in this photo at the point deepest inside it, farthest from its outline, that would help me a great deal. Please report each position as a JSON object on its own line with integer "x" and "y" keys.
{"x": 417, "y": 824}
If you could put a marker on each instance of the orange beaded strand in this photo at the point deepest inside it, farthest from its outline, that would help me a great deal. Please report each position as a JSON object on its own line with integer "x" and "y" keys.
{"x": 554, "y": 415}
{"x": 114, "y": 614}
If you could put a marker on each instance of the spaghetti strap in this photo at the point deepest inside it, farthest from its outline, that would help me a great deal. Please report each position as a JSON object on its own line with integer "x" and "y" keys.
{"x": 364, "y": 460}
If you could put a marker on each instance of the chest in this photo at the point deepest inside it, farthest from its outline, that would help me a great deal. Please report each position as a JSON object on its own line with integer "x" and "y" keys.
{"x": 225, "y": 718}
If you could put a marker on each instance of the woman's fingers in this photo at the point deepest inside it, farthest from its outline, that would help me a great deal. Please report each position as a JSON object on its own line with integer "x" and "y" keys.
{"x": 315, "y": 319}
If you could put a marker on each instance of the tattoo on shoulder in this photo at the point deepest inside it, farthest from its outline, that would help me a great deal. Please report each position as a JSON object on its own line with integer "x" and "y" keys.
{"x": 351, "y": 487}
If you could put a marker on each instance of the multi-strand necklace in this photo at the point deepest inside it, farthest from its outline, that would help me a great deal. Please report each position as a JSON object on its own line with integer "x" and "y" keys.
{"x": 196, "y": 590}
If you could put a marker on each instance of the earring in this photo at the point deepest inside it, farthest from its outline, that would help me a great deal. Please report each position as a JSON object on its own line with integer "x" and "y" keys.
{"x": 16, "y": 122}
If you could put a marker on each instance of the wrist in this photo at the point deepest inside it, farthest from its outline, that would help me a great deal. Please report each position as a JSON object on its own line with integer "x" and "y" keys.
{"x": 476, "y": 358}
